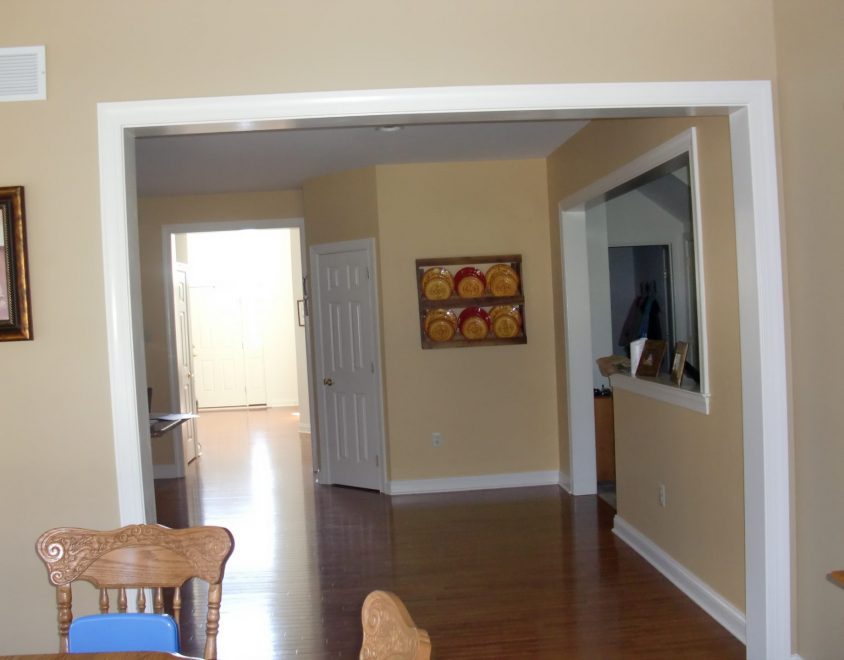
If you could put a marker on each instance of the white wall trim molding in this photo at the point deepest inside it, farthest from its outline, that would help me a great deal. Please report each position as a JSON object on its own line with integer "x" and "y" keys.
{"x": 282, "y": 403}
{"x": 305, "y": 428}
{"x": 749, "y": 105}
{"x": 167, "y": 471}
{"x": 565, "y": 482}
{"x": 713, "y": 603}
{"x": 578, "y": 332}
{"x": 478, "y": 482}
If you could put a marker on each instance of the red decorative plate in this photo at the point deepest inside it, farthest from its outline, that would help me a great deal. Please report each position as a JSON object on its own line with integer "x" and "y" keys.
{"x": 474, "y": 323}
{"x": 470, "y": 282}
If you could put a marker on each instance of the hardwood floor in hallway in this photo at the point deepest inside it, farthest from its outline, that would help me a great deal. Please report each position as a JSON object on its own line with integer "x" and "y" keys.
{"x": 516, "y": 573}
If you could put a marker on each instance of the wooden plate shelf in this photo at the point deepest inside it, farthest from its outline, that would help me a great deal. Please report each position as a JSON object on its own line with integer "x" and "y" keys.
{"x": 458, "y": 304}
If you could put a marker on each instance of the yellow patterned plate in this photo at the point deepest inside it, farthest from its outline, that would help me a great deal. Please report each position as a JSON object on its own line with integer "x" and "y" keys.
{"x": 440, "y": 324}
{"x": 502, "y": 280}
{"x": 506, "y": 321}
{"x": 437, "y": 283}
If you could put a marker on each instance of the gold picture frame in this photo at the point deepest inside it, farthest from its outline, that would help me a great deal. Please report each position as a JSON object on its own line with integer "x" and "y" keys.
{"x": 651, "y": 359}
{"x": 678, "y": 363}
{"x": 15, "y": 315}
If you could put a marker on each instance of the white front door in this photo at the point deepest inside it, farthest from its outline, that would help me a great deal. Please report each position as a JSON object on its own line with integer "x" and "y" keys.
{"x": 184, "y": 358}
{"x": 348, "y": 368}
{"x": 218, "y": 342}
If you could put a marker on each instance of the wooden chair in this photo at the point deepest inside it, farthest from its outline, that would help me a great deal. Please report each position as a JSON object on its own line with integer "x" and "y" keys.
{"x": 139, "y": 557}
{"x": 388, "y": 631}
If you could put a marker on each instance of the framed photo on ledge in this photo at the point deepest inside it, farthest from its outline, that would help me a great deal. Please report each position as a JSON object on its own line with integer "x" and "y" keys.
{"x": 651, "y": 359}
{"x": 678, "y": 364}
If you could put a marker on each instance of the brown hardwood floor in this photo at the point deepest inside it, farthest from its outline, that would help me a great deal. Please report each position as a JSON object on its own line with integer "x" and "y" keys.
{"x": 517, "y": 573}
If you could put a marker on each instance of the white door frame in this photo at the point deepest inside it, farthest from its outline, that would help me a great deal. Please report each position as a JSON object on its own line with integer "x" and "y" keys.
{"x": 368, "y": 245}
{"x": 748, "y": 104}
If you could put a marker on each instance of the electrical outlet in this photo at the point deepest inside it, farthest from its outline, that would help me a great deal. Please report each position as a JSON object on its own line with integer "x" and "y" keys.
{"x": 437, "y": 439}
{"x": 661, "y": 494}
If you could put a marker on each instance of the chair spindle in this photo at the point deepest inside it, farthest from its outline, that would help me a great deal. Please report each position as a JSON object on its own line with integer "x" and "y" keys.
{"x": 121, "y": 600}
{"x": 141, "y": 600}
{"x": 177, "y": 603}
{"x": 103, "y": 601}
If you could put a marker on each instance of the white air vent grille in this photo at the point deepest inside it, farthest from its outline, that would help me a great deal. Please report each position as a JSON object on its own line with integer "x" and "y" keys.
{"x": 23, "y": 74}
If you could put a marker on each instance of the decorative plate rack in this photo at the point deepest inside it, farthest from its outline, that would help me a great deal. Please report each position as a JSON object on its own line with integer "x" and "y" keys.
{"x": 460, "y": 295}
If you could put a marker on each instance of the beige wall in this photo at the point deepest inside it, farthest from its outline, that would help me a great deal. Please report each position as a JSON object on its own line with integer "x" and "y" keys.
{"x": 494, "y": 405}
{"x": 341, "y": 207}
{"x": 810, "y": 51}
{"x": 697, "y": 457}
{"x": 153, "y": 214}
{"x": 61, "y": 464}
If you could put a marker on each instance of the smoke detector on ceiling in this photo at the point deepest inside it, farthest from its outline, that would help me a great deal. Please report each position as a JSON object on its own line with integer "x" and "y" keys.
{"x": 23, "y": 74}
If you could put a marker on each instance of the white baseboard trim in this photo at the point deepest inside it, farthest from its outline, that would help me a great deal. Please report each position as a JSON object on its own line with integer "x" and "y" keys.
{"x": 304, "y": 428}
{"x": 796, "y": 657}
{"x": 480, "y": 482}
{"x": 283, "y": 403}
{"x": 565, "y": 482}
{"x": 166, "y": 471}
{"x": 713, "y": 603}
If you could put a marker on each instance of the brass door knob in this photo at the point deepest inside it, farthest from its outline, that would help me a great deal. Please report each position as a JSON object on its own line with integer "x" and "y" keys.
{"x": 327, "y": 381}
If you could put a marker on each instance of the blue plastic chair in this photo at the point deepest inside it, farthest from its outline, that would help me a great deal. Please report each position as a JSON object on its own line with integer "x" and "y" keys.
{"x": 102, "y": 633}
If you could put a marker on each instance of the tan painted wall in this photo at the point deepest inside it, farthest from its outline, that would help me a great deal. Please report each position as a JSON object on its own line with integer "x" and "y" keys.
{"x": 698, "y": 457}
{"x": 153, "y": 214}
{"x": 810, "y": 51}
{"x": 61, "y": 464}
{"x": 494, "y": 405}
{"x": 341, "y": 207}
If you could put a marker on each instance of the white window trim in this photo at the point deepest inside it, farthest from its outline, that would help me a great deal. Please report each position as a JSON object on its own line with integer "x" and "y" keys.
{"x": 663, "y": 390}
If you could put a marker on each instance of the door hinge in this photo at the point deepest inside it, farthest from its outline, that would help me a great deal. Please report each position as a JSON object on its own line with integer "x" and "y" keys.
{"x": 367, "y": 272}
{"x": 372, "y": 367}
{"x": 377, "y": 461}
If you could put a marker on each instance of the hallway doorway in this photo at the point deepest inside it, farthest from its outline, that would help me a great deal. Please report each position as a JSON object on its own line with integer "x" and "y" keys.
{"x": 244, "y": 333}
{"x": 749, "y": 107}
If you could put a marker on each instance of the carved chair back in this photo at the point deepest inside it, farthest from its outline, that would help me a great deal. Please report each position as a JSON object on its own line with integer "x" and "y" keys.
{"x": 389, "y": 632}
{"x": 140, "y": 557}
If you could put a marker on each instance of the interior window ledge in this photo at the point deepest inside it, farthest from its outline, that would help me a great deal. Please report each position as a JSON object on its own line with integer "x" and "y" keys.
{"x": 662, "y": 389}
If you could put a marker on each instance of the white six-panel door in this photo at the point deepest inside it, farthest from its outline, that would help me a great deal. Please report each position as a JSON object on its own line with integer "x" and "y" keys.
{"x": 348, "y": 373}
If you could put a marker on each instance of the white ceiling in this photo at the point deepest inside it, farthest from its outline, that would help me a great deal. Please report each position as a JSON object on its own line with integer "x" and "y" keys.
{"x": 285, "y": 159}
